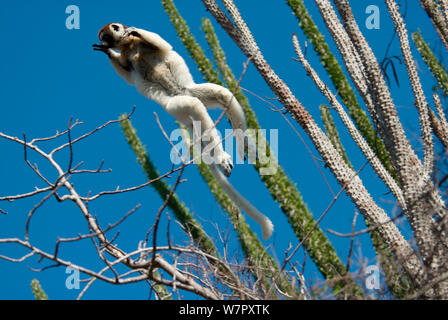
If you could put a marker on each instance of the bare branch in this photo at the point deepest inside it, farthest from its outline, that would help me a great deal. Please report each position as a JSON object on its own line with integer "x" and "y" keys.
{"x": 37, "y": 206}
{"x": 72, "y": 142}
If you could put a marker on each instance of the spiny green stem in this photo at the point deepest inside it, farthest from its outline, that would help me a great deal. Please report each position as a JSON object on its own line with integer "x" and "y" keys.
{"x": 178, "y": 208}
{"x": 436, "y": 67}
{"x": 394, "y": 277}
{"x": 38, "y": 292}
{"x": 341, "y": 83}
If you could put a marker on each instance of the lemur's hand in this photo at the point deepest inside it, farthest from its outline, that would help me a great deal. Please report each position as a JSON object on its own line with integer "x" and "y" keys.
{"x": 102, "y": 48}
{"x": 99, "y": 47}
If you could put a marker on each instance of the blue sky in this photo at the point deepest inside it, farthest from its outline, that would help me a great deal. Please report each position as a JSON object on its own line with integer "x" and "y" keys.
{"x": 51, "y": 73}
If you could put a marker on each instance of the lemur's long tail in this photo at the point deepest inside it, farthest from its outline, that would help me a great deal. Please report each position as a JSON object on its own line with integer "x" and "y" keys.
{"x": 242, "y": 203}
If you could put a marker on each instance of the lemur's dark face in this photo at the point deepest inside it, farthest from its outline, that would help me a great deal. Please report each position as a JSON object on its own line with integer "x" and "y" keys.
{"x": 111, "y": 34}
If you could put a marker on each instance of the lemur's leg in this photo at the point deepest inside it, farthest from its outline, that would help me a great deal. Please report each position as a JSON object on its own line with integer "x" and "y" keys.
{"x": 188, "y": 109}
{"x": 213, "y": 95}
{"x": 123, "y": 68}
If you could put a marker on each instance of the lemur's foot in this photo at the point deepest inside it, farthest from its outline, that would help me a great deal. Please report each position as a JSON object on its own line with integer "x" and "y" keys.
{"x": 225, "y": 163}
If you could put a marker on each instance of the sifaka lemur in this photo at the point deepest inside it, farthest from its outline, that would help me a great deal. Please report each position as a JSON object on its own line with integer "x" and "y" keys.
{"x": 148, "y": 62}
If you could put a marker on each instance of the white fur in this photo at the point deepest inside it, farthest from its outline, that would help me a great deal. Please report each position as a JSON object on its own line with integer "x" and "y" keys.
{"x": 242, "y": 203}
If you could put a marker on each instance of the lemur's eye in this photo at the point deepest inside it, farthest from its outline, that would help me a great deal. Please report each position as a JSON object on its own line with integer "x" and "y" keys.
{"x": 116, "y": 27}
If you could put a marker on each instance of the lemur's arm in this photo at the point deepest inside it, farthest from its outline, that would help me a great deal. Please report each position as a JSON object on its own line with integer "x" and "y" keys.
{"x": 151, "y": 39}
